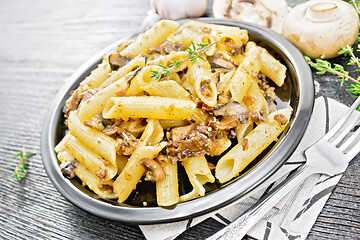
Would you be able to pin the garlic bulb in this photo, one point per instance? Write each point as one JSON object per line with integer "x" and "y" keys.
{"x": 173, "y": 10}
{"x": 178, "y": 9}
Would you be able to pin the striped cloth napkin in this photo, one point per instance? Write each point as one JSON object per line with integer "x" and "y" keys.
{"x": 292, "y": 217}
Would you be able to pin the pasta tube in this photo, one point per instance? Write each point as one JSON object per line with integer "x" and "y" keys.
{"x": 131, "y": 66}
{"x": 99, "y": 186}
{"x": 97, "y": 141}
{"x": 148, "y": 107}
{"x": 152, "y": 37}
{"x": 96, "y": 103}
{"x": 91, "y": 160}
{"x": 167, "y": 189}
{"x": 97, "y": 76}
{"x": 233, "y": 162}
{"x": 121, "y": 161}
{"x": 169, "y": 89}
{"x": 166, "y": 60}
{"x": 235, "y": 34}
{"x": 255, "y": 100}
{"x": 198, "y": 172}
{"x": 246, "y": 73}
{"x": 272, "y": 67}
{"x": 142, "y": 79}
{"x": 148, "y": 147}
{"x": 204, "y": 82}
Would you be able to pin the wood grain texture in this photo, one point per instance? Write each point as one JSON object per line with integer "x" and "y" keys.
{"x": 41, "y": 43}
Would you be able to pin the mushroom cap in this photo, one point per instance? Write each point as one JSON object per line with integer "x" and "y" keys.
{"x": 267, "y": 13}
{"x": 320, "y": 28}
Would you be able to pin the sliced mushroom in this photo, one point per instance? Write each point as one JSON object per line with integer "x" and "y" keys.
{"x": 154, "y": 171}
{"x": 68, "y": 168}
{"x": 179, "y": 133}
{"x": 232, "y": 108}
{"x": 232, "y": 114}
{"x": 221, "y": 63}
{"x": 321, "y": 28}
{"x": 132, "y": 74}
{"x": 267, "y": 13}
{"x": 116, "y": 61}
{"x": 168, "y": 47}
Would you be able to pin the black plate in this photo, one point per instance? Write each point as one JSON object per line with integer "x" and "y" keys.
{"x": 299, "y": 94}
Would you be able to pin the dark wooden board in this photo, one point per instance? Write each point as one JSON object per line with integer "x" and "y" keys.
{"x": 41, "y": 43}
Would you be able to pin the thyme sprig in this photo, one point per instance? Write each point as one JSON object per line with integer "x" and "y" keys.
{"x": 324, "y": 66}
{"x": 355, "y": 4}
{"x": 349, "y": 51}
{"x": 20, "y": 169}
{"x": 193, "y": 55}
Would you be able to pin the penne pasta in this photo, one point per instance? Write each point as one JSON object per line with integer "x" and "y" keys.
{"x": 152, "y": 37}
{"x": 137, "y": 62}
{"x": 97, "y": 141}
{"x": 96, "y": 103}
{"x": 100, "y": 167}
{"x": 232, "y": 163}
{"x": 169, "y": 89}
{"x": 255, "y": 100}
{"x": 272, "y": 67}
{"x": 223, "y": 33}
{"x": 172, "y": 96}
{"x": 204, "y": 82}
{"x": 148, "y": 107}
{"x": 222, "y": 145}
{"x": 168, "y": 124}
{"x": 166, "y": 60}
{"x": 142, "y": 79}
{"x": 103, "y": 189}
{"x": 167, "y": 189}
{"x": 199, "y": 116}
{"x": 121, "y": 161}
{"x": 246, "y": 73}
{"x": 97, "y": 76}
{"x": 243, "y": 129}
{"x": 198, "y": 172}
{"x": 149, "y": 147}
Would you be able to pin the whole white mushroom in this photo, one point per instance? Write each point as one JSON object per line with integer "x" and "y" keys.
{"x": 320, "y": 28}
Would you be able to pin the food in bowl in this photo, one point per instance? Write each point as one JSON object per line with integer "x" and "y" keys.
{"x": 196, "y": 97}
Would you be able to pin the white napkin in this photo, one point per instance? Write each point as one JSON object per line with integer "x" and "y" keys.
{"x": 293, "y": 216}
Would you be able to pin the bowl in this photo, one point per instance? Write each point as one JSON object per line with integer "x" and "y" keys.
{"x": 299, "y": 93}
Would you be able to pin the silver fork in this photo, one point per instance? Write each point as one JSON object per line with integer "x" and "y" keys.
{"x": 327, "y": 156}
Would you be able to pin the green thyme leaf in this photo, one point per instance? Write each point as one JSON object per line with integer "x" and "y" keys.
{"x": 20, "y": 169}
{"x": 193, "y": 55}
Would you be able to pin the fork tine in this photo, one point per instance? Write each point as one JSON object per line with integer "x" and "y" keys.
{"x": 349, "y": 125}
{"x": 340, "y": 123}
{"x": 350, "y": 140}
{"x": 355, "y": 150}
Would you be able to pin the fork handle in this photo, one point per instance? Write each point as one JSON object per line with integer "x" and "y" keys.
{"x": 238, "y": 228}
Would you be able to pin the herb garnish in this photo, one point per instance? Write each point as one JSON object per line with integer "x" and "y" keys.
{"x": 355, "y": 4}
{"x": 20, "y": 170}
{"x": 193, "y": 55}
{"x": 324, "y": 66}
